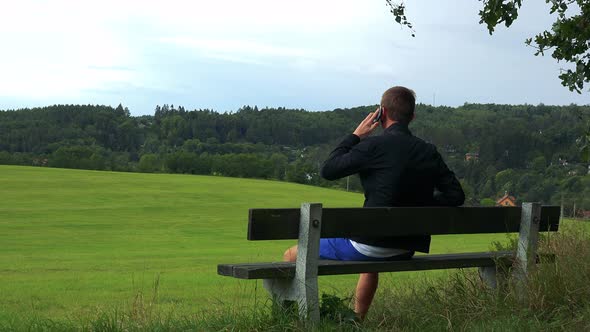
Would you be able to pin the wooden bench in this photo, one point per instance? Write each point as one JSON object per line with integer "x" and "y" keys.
{"x": 298, "y": 281}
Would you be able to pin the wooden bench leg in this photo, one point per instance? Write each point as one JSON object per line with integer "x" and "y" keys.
{"x": 303, "y": 288}
{"x": 528, "y": 239}
{"x": 526, "y": 252}
{"x": 286, "y": 292}
{"x": 281, "y": 291}
{"x": 489, "y": 275}
{"x": 497, "y": 276}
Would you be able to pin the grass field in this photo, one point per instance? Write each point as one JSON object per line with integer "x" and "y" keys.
{"x": 73, "y": 242}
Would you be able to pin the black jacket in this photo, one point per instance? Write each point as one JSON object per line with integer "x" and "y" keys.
{"x": 396, "y": 169}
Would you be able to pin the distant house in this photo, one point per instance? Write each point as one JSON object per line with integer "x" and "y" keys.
{"x": 450, "y": 149}
{"x": 469, "y": 156}
{"x": 585, "y": 214}
{"x": 506, "y": 200}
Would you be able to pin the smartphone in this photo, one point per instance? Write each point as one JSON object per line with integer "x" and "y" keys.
{"x": 379, "y": 113}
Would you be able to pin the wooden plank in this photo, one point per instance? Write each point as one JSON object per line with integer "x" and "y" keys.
{"x": 283, "y": 224}
{"x": 326, "y": 267}
{"x": 225, "y": 269}
{"x": 330, "y": 267}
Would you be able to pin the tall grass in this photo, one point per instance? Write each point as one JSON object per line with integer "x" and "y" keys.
{"x": 556, "y": 297}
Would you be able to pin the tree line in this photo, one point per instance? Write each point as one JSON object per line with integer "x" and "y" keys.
{"x": 525, "y": 150}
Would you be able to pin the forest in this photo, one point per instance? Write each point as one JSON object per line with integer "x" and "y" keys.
{"x": 528, "y": 151}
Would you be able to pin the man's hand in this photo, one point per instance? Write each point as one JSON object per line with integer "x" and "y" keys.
{"x": 366, "y": 126}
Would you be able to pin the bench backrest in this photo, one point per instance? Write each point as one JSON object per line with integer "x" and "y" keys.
{"x": 283, "y": 224}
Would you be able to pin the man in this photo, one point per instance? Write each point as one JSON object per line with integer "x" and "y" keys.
{"x": 396, "y": 169}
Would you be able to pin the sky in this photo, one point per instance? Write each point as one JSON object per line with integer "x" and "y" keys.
{"x": 310, "y": 54}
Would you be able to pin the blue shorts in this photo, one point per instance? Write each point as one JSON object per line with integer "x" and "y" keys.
{"x": 342, "y": 250}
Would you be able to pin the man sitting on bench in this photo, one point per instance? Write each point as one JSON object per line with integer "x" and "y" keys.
{"x": 396, "y": 169}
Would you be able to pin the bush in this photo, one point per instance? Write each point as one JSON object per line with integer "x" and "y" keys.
{"x": 149, "y": 163}
{"x": 487, "y": 202}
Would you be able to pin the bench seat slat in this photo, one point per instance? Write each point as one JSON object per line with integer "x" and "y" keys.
{"x": 331, "y": 267}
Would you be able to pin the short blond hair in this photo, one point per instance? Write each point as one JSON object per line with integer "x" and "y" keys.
{"x": 400, "y": 103}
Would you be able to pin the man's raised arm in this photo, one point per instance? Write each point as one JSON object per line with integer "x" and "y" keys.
{"x": 350, "y": 156}
{"x": 344, "y": 160}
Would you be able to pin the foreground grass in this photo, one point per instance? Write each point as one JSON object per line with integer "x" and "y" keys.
{"x": 73, "y": 242}
{"x": 76, "y": 242}
{"x": 556, "y": 298}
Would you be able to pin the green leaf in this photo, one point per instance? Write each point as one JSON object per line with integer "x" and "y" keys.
{"x": 563, "y": 6}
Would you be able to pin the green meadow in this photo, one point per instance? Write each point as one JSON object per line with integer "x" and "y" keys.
{"x": 75, "y": 242}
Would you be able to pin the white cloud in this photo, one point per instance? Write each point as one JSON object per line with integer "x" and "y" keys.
{"x": 241, "y": 51}
{"x": 62, "y": 48}
{"x": 58, "y": 49}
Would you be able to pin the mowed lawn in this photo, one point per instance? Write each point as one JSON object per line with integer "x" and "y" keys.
{"x": 73, "y": 242}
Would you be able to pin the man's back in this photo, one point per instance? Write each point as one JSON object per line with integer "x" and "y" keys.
{"x": 406, "y": 171}
{"x": 396, "y": 169}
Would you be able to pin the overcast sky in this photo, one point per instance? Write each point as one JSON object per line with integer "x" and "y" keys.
{"x": 312, "y": 54}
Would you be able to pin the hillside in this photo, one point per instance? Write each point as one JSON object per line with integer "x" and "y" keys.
{"x": 528, "y": 151}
